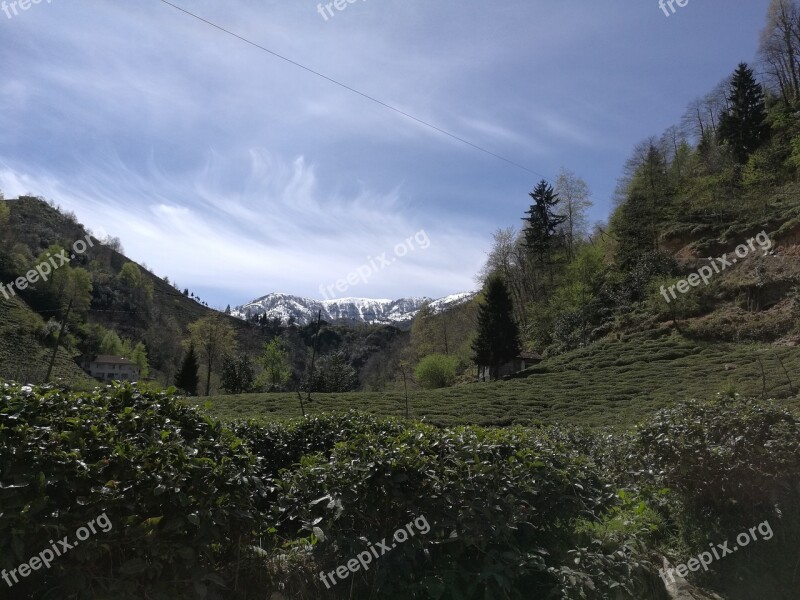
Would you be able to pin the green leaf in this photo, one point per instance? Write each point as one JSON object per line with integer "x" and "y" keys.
{"x": 133, "y": 567}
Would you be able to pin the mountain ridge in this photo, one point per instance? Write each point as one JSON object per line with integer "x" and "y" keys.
{"x": 351, "y": 310}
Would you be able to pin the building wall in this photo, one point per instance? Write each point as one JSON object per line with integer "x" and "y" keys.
{"x": 509, "y": 368}
{"x": 108, "y": 372}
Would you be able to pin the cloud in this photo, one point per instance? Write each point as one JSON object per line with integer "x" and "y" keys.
{"x": 273, "y": 229}
{"x": 233, "y": 171}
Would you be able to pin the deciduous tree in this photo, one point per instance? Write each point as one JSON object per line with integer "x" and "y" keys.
{"x": 139, "y": 356}
{"x": 574, "y": 195}
{"x": 214, "y": 338}
{"x": 779, "y": 49}
{"x": 275, "y": 361}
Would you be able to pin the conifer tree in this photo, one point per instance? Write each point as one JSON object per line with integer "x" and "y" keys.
{"x": 187, "y": 377}
{"x": 542, "y": 221}
{"x": 744, "y": 126}
{"x": 498, "y": 334}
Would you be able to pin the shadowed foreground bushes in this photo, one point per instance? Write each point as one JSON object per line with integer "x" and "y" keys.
{"x": 252, "y": 511}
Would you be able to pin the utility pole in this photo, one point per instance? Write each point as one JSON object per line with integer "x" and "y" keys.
{"x": 405, "y": 384}
{"x": 58, "y": 340}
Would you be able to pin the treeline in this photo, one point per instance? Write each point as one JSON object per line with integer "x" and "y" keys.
{"x": 317, "y": 357}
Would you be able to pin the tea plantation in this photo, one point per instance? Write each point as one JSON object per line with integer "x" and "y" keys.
{"x": 247, "y": 510}
{"x": 615, "y": 382}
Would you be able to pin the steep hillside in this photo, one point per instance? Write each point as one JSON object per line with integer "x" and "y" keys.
{"x": 161, "y": 322}
{"x": 23, "y": 356}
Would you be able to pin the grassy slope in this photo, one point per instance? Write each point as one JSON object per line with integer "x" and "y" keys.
{"x": 23, "y": 357}
{"x": 614, "y": 383}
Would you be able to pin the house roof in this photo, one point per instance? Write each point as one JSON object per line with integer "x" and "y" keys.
{"x": 530, "y": 356}
{"x": 113, "y": 360}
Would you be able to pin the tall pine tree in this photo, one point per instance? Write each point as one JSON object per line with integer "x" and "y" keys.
{"x": 498, "y": 334}
{"x": 187, "y": 376}
{"x": 542, "y": 221}
{"x": 744, "y": 126}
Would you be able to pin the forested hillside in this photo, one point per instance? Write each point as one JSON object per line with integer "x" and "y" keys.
{"x": 112, "y": 305}
{"x": 716, "y": 194}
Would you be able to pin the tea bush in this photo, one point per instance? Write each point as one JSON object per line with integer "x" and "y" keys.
{"x": 178, "y": 489}
{"x": 729, "y": 460}
{"x": 502, "y": 506}
{"x": 206, "y": 511}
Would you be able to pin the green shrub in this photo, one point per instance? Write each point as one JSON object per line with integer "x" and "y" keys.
{"x": 436, "y": 371}
{"x": 203, "y": 511}
{"x": 502, "y": 506}
{"x": 731, "y": 456}
{"x": 178, "y": 489}
{"x": 727, "y": 465}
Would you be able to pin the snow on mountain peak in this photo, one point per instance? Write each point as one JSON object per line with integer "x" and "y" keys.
{"x": 348, "y": 310}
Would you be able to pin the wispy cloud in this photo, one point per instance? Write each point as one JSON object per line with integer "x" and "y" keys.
{"x": 237, "y": 174}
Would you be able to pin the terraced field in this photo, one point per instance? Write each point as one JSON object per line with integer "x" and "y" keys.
{"x": 613, "y": 383}
{"x": 22, "y": 356}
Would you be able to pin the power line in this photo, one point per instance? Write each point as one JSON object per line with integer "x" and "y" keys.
{"x": 353, "y": 90}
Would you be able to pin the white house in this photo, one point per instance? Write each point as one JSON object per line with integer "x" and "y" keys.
{"x": 108, "y": 368}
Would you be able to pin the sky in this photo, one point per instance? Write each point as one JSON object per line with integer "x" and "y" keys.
{"x": 237, "y": 174}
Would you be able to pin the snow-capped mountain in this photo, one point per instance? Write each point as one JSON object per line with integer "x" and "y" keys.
{"x": 347, "y": 310}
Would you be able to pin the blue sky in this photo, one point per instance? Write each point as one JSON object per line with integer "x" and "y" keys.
{"x": 237, "y": 174}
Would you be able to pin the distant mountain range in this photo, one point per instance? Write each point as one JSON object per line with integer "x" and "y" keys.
{"x": 351, "y": 311}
